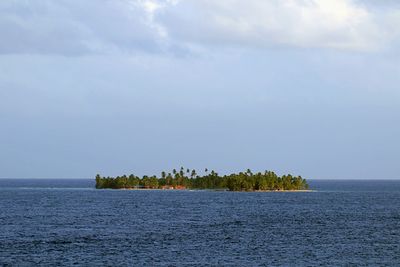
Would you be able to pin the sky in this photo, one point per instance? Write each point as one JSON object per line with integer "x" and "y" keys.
{"x": 308, "y": 87}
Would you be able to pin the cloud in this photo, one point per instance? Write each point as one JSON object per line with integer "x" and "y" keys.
{"x": 74, "y": 27}
{"x": 336, "y": 24}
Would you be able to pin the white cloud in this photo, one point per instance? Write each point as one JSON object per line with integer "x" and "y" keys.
{"x": 74, "y": 27}
{"x": 338, "y": 24}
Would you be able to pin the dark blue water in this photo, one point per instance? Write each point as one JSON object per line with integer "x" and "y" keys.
{"x": 67, "y": 222}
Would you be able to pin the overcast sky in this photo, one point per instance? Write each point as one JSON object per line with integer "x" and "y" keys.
{"x": 309, "y": 87}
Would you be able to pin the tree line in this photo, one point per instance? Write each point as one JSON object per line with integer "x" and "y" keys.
{"x": 186, "y": 178}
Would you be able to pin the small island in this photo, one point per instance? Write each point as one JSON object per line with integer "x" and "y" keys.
{"x": 189, "y": 179}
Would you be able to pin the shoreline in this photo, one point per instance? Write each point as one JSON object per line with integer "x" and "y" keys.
{"x": 216, "y": 190}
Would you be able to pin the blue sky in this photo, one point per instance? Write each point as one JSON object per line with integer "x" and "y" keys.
{"x": 129, "y": 86}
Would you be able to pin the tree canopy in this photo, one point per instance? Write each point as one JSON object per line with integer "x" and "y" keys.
{"x": 186, "y": 178}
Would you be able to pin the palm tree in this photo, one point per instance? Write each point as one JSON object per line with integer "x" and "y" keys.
{"x": 168, "y": 179}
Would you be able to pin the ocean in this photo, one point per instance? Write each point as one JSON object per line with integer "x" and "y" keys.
{"x": 67, "y": 222}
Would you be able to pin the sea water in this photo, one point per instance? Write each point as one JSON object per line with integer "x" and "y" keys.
{"x": 68, "y": 222}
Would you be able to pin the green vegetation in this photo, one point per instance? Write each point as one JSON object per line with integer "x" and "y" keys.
{"x": 182, "y": 179}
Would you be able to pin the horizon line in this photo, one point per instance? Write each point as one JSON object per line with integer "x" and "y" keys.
{"x": 89, "y": 178}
